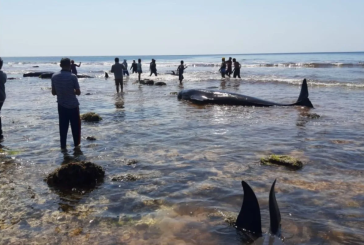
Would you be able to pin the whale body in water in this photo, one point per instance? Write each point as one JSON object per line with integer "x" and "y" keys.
{"x": 207, "y": 96}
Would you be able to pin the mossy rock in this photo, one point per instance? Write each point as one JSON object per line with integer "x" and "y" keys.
{"x": 91, "y": 117}
{"x": 76, "y": 174}
{"x": 90, "y": 138}
{"x": 283, "y": 160}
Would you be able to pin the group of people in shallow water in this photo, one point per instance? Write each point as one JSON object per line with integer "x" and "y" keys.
{"x": 121, "y": 69}
{"x": 226, "y": 68}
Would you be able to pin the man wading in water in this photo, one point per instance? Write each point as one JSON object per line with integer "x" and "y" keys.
{"x": 65, "y": 86}
{"x": 222, "y": 69}
{"x": 180, "y": 70}
{"x": 153, "y": 68}
{"x": 117, "y": 69}
{"x": 237, "y": 67}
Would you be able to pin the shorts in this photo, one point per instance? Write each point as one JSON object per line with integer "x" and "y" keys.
{"x": 139, "y": 71}
{"x": 180, "y": 76}
{"x": 118, "y": 81}
{"x": 223, "y": 71}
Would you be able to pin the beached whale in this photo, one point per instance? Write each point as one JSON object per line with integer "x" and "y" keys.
{"x": 207, "y": 96}
{"x": 249, "y": 220}
{"x": 36, "y": 74}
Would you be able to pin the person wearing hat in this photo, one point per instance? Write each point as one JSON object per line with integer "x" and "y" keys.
{"x": 65, "y": 86}
{"x": 3, "y": 78}
{"x": 222, "y": 69}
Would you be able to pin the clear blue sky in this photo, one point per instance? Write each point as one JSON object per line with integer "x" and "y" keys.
{"x": 159, "y": 27}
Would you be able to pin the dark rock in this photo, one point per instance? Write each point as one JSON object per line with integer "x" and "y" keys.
{"x": 127, "y": 177}
{"x": 83, "y": 76}
{"x": 35, "y": 74}
{"x": 160, "y": 84}
{"x": 90, "y": 138}
{"x": 35, "y": 66}
{"x": 88, "y": 94}
{"x": 106, "y": 75}
{"x": 91, "y": 117}
{"x": 283, "y": 160}
{"x": 11, "y": 78}
{"x": 147, "y": 82}
{"x": 77, "y": 174}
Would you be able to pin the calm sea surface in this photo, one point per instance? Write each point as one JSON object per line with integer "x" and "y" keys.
{"x": 190, "y": 159}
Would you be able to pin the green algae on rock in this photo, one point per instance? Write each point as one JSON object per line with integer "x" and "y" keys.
{"x": 76, "y": 174}
{"x": 91, "y": 117}
{"x": 283, "y": 160}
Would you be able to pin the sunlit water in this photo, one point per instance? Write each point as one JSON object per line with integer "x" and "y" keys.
{"x": 190, "y": 159}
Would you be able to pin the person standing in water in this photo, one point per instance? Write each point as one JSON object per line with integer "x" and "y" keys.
{"x": 229, "y": 64}
{"x": 134, "y": 67}
{"x": 125, "y": 71}
{"x": 222, "y": 69}
{"x": 237, "y": 67}
{"x": 65, "y": 86}
{"x": 117, "y": 69}
{"x": 3, "y": 79}
{"x": 153, "y": 68}
{"x": 180, "y": 70}
{"x": 139, "y": 68}
{"x": 73, "y": 67}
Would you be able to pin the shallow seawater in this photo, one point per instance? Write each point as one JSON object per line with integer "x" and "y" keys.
{"x": 190, "y": 161}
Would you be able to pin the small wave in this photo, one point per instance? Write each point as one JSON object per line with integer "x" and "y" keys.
{"x": 309, "y": 65}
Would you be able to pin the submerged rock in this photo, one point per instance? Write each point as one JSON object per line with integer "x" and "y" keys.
{"x": 91, "y": 117}
{"x": 119, "y": 104}
{"x": 160, "y": 84}
{"x": 283, "y": 160}
{"x": 311, "y": 115}
{"x": 77, "y": 174}
{"x": 90, "y": 138}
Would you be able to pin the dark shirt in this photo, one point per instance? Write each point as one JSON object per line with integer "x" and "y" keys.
{"x": 229, "y": 64}
{"x": 181, "y": 68}
{"x": 73, "y": 69}
{"x": 153, "y": 66}
{"x": 223, "y": 65}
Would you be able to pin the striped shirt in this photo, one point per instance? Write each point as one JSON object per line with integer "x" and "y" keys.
{"x": 65, "y": 83}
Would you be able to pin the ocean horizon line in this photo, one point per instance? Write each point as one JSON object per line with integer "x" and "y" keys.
{"x": 156, "y": 55}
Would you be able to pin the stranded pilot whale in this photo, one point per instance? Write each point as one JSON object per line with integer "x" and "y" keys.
{"x": 249, "y": 220}
{"x": 207, "y": 96}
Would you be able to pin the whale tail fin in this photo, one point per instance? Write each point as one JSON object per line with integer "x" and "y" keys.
{"x": 275, "y": 215}
{"x": 249, "y": 216}
{"x": 303, "y": 99}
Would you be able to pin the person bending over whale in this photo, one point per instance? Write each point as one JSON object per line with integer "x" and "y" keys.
{"x": 180, "y": 70}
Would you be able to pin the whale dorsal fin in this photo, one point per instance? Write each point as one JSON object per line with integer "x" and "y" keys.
{"x": 249, "y": 216}
{"x": 275, "y": 215}
{"x": 303, "y": 98}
